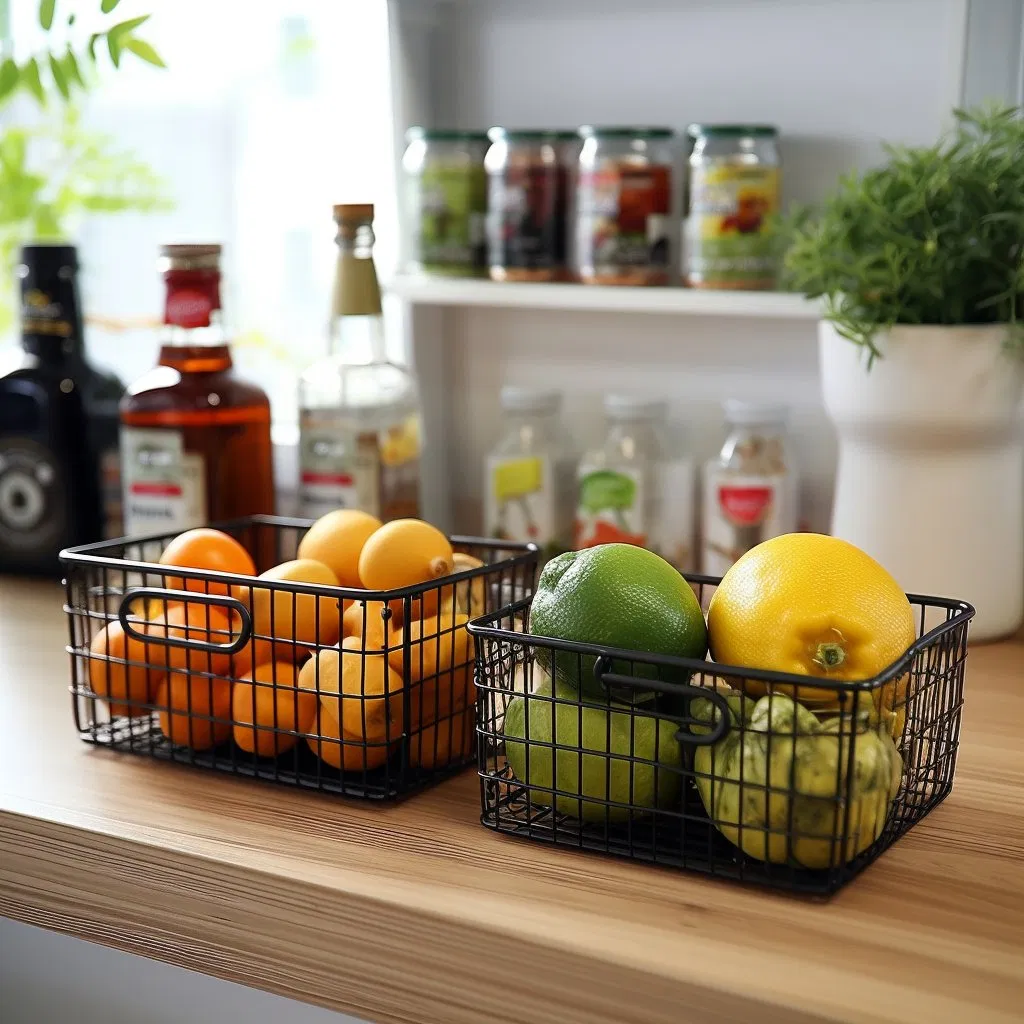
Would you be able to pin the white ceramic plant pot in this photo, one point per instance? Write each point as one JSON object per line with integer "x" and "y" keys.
{"x": 931, "y": 463}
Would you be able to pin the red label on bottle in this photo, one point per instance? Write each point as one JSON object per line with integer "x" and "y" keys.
{"x": 338, "y": 479}
{"x": 188, "y": 307}
{"x": 745, "y": 506}
{"x": 192, "y": 295}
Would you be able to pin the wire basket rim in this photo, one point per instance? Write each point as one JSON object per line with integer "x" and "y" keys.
{"x": 963, "y": 612}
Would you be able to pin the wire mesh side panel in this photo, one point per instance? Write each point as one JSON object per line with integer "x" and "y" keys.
{"x": 793, "y": 786}
{"x": 277, "y": 679}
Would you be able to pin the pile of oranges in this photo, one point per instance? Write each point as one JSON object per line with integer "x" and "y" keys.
{"x": 328, "y": 671}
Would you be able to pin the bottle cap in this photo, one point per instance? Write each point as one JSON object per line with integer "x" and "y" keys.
{"x": 634, "y": 407}
{"x": 538, "y": 400}
{"x": 191, "y": 257}
{"x": 361, "y": 212}
{"x": 744, "y": 413}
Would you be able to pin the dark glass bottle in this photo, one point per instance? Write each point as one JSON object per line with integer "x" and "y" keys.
{"x": 58, "y": 425}
{"x": 195, "y": 439}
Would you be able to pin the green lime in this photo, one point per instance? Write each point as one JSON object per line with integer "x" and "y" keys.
{"x": 616, "y": 595}
{"x": 630, "y": 758}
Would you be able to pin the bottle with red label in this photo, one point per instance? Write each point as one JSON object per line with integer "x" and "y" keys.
{"x": 750, "y": 489}
{"x": 195, "y": 439}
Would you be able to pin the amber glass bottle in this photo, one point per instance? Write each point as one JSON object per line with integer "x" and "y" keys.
{"x": 195, "y": 440}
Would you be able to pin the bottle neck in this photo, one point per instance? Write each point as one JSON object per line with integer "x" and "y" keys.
{"x": 193, "y": 339}
{"x": 357, "y": 325}
{"x": 51, "y": 320}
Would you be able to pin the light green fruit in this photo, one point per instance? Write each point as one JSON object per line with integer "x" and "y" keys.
{"x": 779, "y": 783}
{"x": 607, "y": 773}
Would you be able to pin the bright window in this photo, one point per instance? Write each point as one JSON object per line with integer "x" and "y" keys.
{"x": 267, "y": 115}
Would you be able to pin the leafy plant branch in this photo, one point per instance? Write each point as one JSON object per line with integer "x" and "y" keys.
{"x": 934, "y": 236}
{"x": 52, "y": 168}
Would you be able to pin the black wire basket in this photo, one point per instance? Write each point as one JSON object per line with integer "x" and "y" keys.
{"x": 762, "y": 777}
{"x": 254, "y": 678}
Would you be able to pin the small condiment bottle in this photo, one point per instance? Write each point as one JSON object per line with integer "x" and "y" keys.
{"x": 750, "y": 488}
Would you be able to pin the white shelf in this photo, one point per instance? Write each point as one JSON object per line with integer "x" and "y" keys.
{"x": 602, "y": 299}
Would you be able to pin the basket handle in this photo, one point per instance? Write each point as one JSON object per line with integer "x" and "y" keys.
{"x": 718, "y": 730}
{"x": 207, "y": 646}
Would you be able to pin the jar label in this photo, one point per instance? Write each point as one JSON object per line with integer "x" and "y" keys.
{"x": 340, "y": 467}
{"x": 452, "y": 206}
{"x": 623, "y": 219}
{"x": 610, "y": 508}
{"x": 728, "y": 245}
{"x": 526, "y": 218}
{"x": 741, "y": 511}
{"x": 520, "y": 500}
{"x": 164, "y": 486}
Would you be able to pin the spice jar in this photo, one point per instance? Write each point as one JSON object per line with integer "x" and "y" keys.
{"x": 528, "y": 473}
{"x": 526, "y": 202}
{"x": 623, "y": 206}
{"x": 750, "y": 489}
{"x": 733, "y": 190}
{"x": 637, "y": 487}
{"x": 446, "y": 201}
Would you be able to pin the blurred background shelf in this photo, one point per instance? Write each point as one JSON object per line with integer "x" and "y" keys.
{"x": 581, "y": 298}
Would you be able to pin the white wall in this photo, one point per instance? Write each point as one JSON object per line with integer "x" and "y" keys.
{"x": 838, "y": 76}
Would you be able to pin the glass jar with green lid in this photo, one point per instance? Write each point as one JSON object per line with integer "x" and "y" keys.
{"x": 527, "y": 201}
{"x": 623, "y": 202}
{"x": 446, "y": 201}
{"x": 733, "y": 190}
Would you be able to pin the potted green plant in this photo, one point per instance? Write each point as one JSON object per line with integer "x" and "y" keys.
{"x": 920, "y": 266}
{"x": 54, "y": 170}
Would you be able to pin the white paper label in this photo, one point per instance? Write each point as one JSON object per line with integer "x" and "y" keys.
{"x": 164, "y": 486}
{"x": 740, "y": 511}
{"x": 335, "y": 470}
{"x": 521, "y": 504}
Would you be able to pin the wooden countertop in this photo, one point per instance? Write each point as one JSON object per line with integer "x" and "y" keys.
{"x": 415, "y": 913}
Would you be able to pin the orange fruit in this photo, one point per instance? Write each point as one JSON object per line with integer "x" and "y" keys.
{"x": 367, "y": 617}
{"x": 267, "y": 706}
{"x": 450, "y": 739}
{"x": 206, "y": 549}
{"x": 126, "y": 688}
{"x": 337, "y": 540}
{"x": 403, "y": 553}
{"x": 200, "y": 623}
{"x": 195, "y": 711}
{"x": 262, "y": 652}
{"x": 339, "y": 750}
{"x": 296, "y": 618}
{"x": 361, "y": 692}
{"x": 441, "y": 654}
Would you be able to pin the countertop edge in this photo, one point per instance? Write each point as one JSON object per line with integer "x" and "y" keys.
{"x": 245, "y": 926}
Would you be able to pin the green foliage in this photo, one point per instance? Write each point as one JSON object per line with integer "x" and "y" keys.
{"x": 52, "y": 169}
{"x": 934, "y": 236}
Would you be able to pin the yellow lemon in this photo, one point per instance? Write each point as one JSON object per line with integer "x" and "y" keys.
{"x": 812, "y": 606}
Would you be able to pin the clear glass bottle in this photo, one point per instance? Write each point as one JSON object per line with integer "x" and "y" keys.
{"x": 195, "y": 439}
{"x": 359, "y": 414}
{"x": 750, "y": 488}
{"x": 618, "y": 494}
{"x": 524, "y": 474}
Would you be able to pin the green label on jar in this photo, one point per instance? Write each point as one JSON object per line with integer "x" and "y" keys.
{"x": 452, "y": 213}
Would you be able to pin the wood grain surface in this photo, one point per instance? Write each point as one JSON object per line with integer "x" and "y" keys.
{"x": 414, "y": 912}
